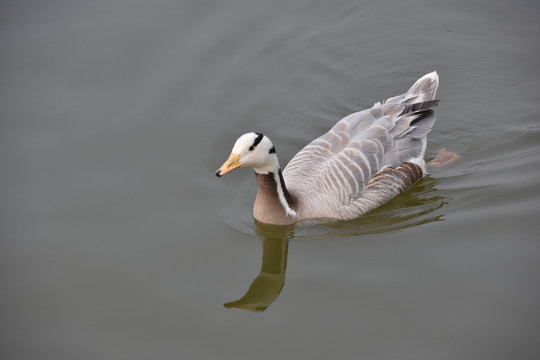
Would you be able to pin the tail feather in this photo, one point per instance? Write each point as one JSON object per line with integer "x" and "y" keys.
{"x": 415, "y": 121}
{"x": 422, "y": 124}
{"x": 424, "y": 89}
{"x": 419, "y": 107}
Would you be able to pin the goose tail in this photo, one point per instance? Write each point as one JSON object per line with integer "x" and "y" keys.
{"x": 424, "y": 89}
{"x": 415, "y": 121}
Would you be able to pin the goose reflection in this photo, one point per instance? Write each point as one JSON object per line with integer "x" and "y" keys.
{"x": 267, "y": 286}
{"x": 414, "y": 207}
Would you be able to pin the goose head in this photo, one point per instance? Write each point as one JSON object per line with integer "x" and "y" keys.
{"x": 253, "y": 150}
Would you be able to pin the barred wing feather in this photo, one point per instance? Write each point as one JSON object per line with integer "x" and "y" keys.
{"x": 330, "y": 175}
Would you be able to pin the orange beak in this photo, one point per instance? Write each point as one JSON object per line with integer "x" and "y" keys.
{"x": 229, "y": 165}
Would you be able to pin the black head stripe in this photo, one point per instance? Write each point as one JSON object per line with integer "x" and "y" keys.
{"x": 258, "y": 139}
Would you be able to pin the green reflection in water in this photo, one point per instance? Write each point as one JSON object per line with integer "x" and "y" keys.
{"x": 267, "y": 286}
{"x": 414, "y": 207}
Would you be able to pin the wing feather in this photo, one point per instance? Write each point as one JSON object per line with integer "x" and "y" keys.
{"x": 330, "y": 174}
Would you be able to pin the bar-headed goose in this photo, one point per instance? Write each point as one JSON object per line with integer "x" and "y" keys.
{"x": 366, "y": 159}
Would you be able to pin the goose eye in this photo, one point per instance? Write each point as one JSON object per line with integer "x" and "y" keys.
{"x": 251, "y": 148}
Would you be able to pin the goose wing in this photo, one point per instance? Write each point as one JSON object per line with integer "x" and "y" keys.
{"x": 331, "y": 174}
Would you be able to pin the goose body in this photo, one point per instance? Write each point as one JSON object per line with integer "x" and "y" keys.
{"x": 363, "y": 161}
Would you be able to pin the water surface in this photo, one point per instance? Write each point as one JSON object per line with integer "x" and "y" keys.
{"x": 119, "y": 242}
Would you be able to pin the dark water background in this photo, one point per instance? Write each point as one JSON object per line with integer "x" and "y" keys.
{"x": 118, "y": 242}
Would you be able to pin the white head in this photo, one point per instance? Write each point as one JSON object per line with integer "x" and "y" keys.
{"x": 253, "y": 150}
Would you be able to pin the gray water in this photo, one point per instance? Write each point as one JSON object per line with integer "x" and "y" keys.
{"x": 118, "y": 242}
